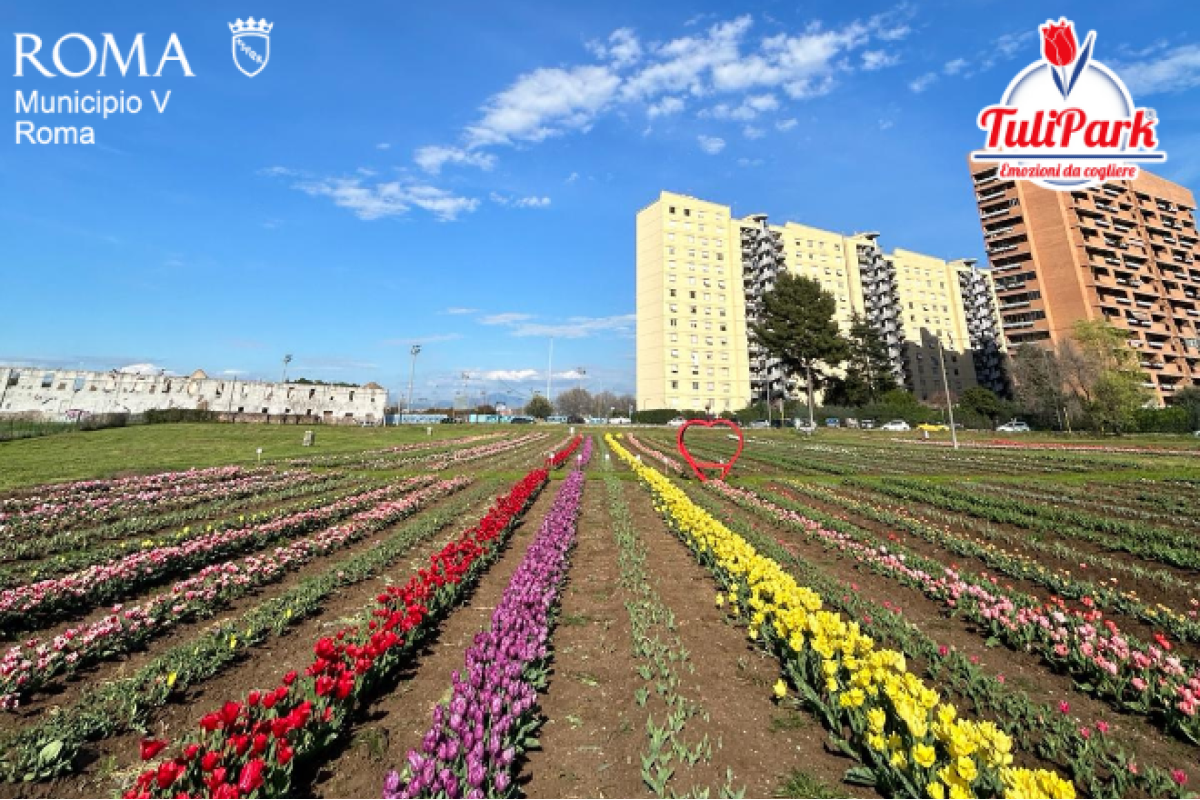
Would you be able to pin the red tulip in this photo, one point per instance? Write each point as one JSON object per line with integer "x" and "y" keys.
{"x": 210, "y": 760}
{"x": 284, "y": 752}
{"x": 290, "y": 678}
{"x": 230, "y": 712}
{"x": 1058, "y": 43}
{"x": 190, "y": 751}
{"x": 151, "y": 748}
{"x": 168, "y": 771}
{"x": 253, "y": 698}
{"x": 260, "y": 744}
{"x": 252, "y": 776}
{"x": 226, "y": 790}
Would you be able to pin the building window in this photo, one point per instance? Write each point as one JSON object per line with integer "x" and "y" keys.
{"x": 672, "y": 209}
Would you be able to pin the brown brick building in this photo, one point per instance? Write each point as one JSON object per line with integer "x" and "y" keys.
{"x": 1126, "y": 251}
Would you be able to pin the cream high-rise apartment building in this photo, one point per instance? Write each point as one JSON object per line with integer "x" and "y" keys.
{"x": 701, "y": 275}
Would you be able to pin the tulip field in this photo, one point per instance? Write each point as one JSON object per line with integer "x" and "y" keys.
{"x": 543, "y": 612}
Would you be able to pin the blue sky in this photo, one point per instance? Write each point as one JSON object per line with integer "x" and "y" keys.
{"x": 466, "y": 175}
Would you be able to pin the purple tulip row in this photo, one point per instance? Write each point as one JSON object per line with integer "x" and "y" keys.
{"x": 32, "y": 665}
{"x": 471, "y": 748}
{"x": 51, "y": 599}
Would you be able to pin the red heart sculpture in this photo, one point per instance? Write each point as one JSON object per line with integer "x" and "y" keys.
{"x": 698, "y": 467}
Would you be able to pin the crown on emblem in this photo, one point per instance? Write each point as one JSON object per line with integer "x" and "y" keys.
{"x": 251, "y": 26}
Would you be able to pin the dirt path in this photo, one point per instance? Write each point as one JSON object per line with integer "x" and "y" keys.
{"x": 593, "y": 734}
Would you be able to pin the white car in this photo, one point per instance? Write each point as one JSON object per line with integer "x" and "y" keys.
{"x": 677, "y": 422}
{"x": 895, "y": 425}
{"x": 1014, "y": 426}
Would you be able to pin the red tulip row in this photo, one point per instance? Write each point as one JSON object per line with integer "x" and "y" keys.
{"x": 28, "y": 668}
{"x": 47, "y": 600}
{"x": 556, "y": 460}
{"x": 249, "y": 748}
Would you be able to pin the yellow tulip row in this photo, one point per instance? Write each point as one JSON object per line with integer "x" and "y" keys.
{"x": 913, "y": 743}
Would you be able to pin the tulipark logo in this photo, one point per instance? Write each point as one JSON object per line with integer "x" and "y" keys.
{"x": 251, "y": 45}
{"x": 1067, "y": 122}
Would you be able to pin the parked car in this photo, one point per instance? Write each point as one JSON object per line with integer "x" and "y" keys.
{"x": 677, "y": 422}
{"x": 867, "y": 424}
{"x": 933, "y": 427}
{"x": 1013, "y": 426}
{"x": 804, "y": 427}
{"x": 851, "y": 422}
{"x": 895, "y": 425}
{"x": 521, "y": 420}
{"x": 575, "y": 419}
{"x": 620, "y": 421}
{"x": 759, "y": 423}
{"x": 833, "y": 422}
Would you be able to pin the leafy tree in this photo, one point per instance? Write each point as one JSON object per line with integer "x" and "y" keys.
{"x": 1109, "y": 378}
{"x": 983, "y": 402}
{"x": 539, "y": 407}
{"x": 797, "y": 327}
{"x": 574, "y": 401}
{"x": 1189, "y": 398}
{"x": 868, "y": 365}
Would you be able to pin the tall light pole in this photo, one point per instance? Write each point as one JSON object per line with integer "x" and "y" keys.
{"x": 550, "y": 373}
{"x": 580, "y": 372}
{"x": 946, "y": 389}
{"x": 412, "y": 370}
{"x": 287, "y": 359}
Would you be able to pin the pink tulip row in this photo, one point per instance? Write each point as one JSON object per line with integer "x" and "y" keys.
{"x": 668, "y": 462}
{"x": 65, "y": 492}
{"x": 31, "y": 666}
{"x": 82, "y": 589}
{"x": 1143, "y": 677}
{"x": 440, "y": 461}
{"x": 53, "y": 515}
{"x": 400, "y": 448}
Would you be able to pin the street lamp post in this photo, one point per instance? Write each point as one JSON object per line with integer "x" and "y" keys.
{"x": 412, "y": 370}
{"x": 287, "y": 359}
{"x": 946, "y": 390}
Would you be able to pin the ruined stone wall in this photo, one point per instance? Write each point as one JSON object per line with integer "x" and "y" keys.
{"x": 65, "y": 394}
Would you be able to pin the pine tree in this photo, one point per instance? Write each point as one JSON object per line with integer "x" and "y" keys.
{"x": 797, "y": 327}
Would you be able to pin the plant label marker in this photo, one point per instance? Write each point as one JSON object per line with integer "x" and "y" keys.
{"x": 698, "y": 466}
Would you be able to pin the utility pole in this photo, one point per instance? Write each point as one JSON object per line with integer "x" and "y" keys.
{"x": 946, "y": 389}
{"x": 412, "y": 369}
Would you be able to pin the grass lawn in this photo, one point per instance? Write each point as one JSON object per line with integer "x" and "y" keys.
{"x": 156, "y": 448}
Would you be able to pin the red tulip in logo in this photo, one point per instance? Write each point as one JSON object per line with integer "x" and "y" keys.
{"x": 699, "y": 466}
{"x": 1058, "y": 43}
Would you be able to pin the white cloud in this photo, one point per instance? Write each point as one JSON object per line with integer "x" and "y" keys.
{"x": 884, "y": 124}
{"x": 665, "y": 107}
{"x": 955, "y": 66}
{"x": 510, "y": 375}
{"x": 878, "y": 59}
{"x": 750, "y": 108}
{"x": 577, "y": 327}
{"x": 711, "y": 144}
{"x": 622, "y": 47}
{"x": 571, "y": 375}
{"x": 1175, "y": 70}
{"x": 749, "y": 162}
{"x": 141, "y": 369}
{"x": 278, "y": 172}
{"x": 922, "y": 83}
{"x": 507, "y": 318}
{"x": 233, "y": 372}
{"x": 434, "y": 157}
{"x": 574, "y": 176}
{"x": 543, "y": 103}
{"x": 383, "y": 146}
{"x": 531, "y": 201}
{"x": 785, "y": 124}
{"x": 751, "y": 132}
{"x": 461, "y": 310}
{"x": 388, "y": 199}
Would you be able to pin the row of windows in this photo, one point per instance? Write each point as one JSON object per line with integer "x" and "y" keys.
{"x": 717, "y": 243}
{"x": 696, "y": 388}
{"x": 820, "y": 245}
{"x": 692, "y": 296}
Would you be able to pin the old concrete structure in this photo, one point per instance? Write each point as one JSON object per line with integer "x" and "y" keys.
{"x": 66, "y": 394}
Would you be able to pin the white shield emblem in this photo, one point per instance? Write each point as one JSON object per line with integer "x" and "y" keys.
{"x": 251, "y": 51}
